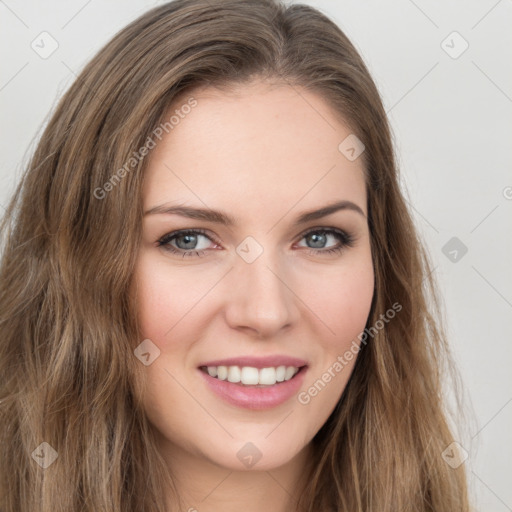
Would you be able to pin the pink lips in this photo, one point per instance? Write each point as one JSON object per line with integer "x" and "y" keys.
{"x": 252, "y": 397}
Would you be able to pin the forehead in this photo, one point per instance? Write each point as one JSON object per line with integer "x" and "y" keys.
{"x": 254, "y": 146}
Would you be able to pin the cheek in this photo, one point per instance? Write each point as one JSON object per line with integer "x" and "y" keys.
{"x": 165, "y": 296}
{"x": 343, "y": 310}
{"x": 341, "y": 301}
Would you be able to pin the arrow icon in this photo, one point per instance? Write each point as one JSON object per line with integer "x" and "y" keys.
{"x": 454, "y": 249}
{"x": 454, "y": 455}
{"x": 249, "y": 253}
{"x": 351, "y": 147}
{"x": 147, "y": 352}
{"x": 44, "y": 455}
{"x": 249, "y": 455}
{"x": 454, "y": 45}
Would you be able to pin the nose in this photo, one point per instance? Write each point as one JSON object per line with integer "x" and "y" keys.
{"x": 260, "y": 298}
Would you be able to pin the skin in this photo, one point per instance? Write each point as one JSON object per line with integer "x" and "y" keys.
{"x": 272, "y": 154}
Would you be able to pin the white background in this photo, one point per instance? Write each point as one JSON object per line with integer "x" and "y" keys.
{"x": 452, "y": 119}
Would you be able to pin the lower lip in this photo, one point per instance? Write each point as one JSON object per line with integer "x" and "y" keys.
{"x": 251, "y": 397}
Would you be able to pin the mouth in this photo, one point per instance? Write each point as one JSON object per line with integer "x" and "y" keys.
{"x": 250, "y": 387}
{"x": 250, "y": 376}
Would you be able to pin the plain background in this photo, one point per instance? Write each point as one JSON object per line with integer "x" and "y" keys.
{"x": 451, "y": 114}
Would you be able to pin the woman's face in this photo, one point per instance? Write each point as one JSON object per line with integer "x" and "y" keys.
{"x": 245, "y": 298}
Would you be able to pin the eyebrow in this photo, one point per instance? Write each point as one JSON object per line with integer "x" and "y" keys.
{"x": 220, "y": 217}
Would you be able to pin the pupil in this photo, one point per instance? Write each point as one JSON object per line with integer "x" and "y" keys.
{"x": 190, "y": 239}
{"x": 320, "y": 239}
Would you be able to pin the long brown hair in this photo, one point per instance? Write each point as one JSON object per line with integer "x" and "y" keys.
{"x": 70, "y": 237}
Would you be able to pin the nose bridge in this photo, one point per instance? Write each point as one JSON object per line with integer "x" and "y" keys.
{"x": 261, "y": 297}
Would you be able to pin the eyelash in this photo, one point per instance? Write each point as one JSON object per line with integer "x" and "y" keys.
{"x": 346, "y": 239}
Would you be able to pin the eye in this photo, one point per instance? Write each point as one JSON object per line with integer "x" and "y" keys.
{"x": 188, "y": 242}
{"x": 319, "y": 237}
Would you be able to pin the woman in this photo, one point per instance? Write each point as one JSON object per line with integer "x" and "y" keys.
{"x": 213, "y": 294}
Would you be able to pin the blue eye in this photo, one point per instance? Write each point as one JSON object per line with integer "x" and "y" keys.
{"x": 320, "y": 236}
{"x": 188, "y": 239}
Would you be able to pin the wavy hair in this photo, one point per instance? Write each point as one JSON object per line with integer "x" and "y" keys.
{"x": 68, "y": 322}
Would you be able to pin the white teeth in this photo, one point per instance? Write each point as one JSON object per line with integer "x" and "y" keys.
{"x": 268, "y": 376}
{"x": 290, "y": 372}
{"x": 222, "y": 372}
{"x": 251, "y": 376}
{"x": 233, "y": 374}
{"x": 280, "y": 373}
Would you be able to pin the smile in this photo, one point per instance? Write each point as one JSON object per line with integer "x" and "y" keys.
{"x": 253, "y": 388}
{"x": 251, "y": 376}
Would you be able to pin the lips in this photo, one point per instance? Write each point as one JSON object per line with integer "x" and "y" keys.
{"x": 257, "y": 396}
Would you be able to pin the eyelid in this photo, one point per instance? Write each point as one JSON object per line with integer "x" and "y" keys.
{"x": 181, "y": 232}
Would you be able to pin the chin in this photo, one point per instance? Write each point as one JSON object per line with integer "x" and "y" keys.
{"x": 254, "y": 453}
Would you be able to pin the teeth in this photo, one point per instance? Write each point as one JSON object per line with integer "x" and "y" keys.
{"x": 290, "y": 372}
{"x": 250, "y": 376}
{"x": 268, "y": 376}
{"x": 222, "y": 372}
{"x": 233, "y": 374}
{"x": 280, "y": 373}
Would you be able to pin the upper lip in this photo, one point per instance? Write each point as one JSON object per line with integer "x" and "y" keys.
{"x": 258, "y": 362}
